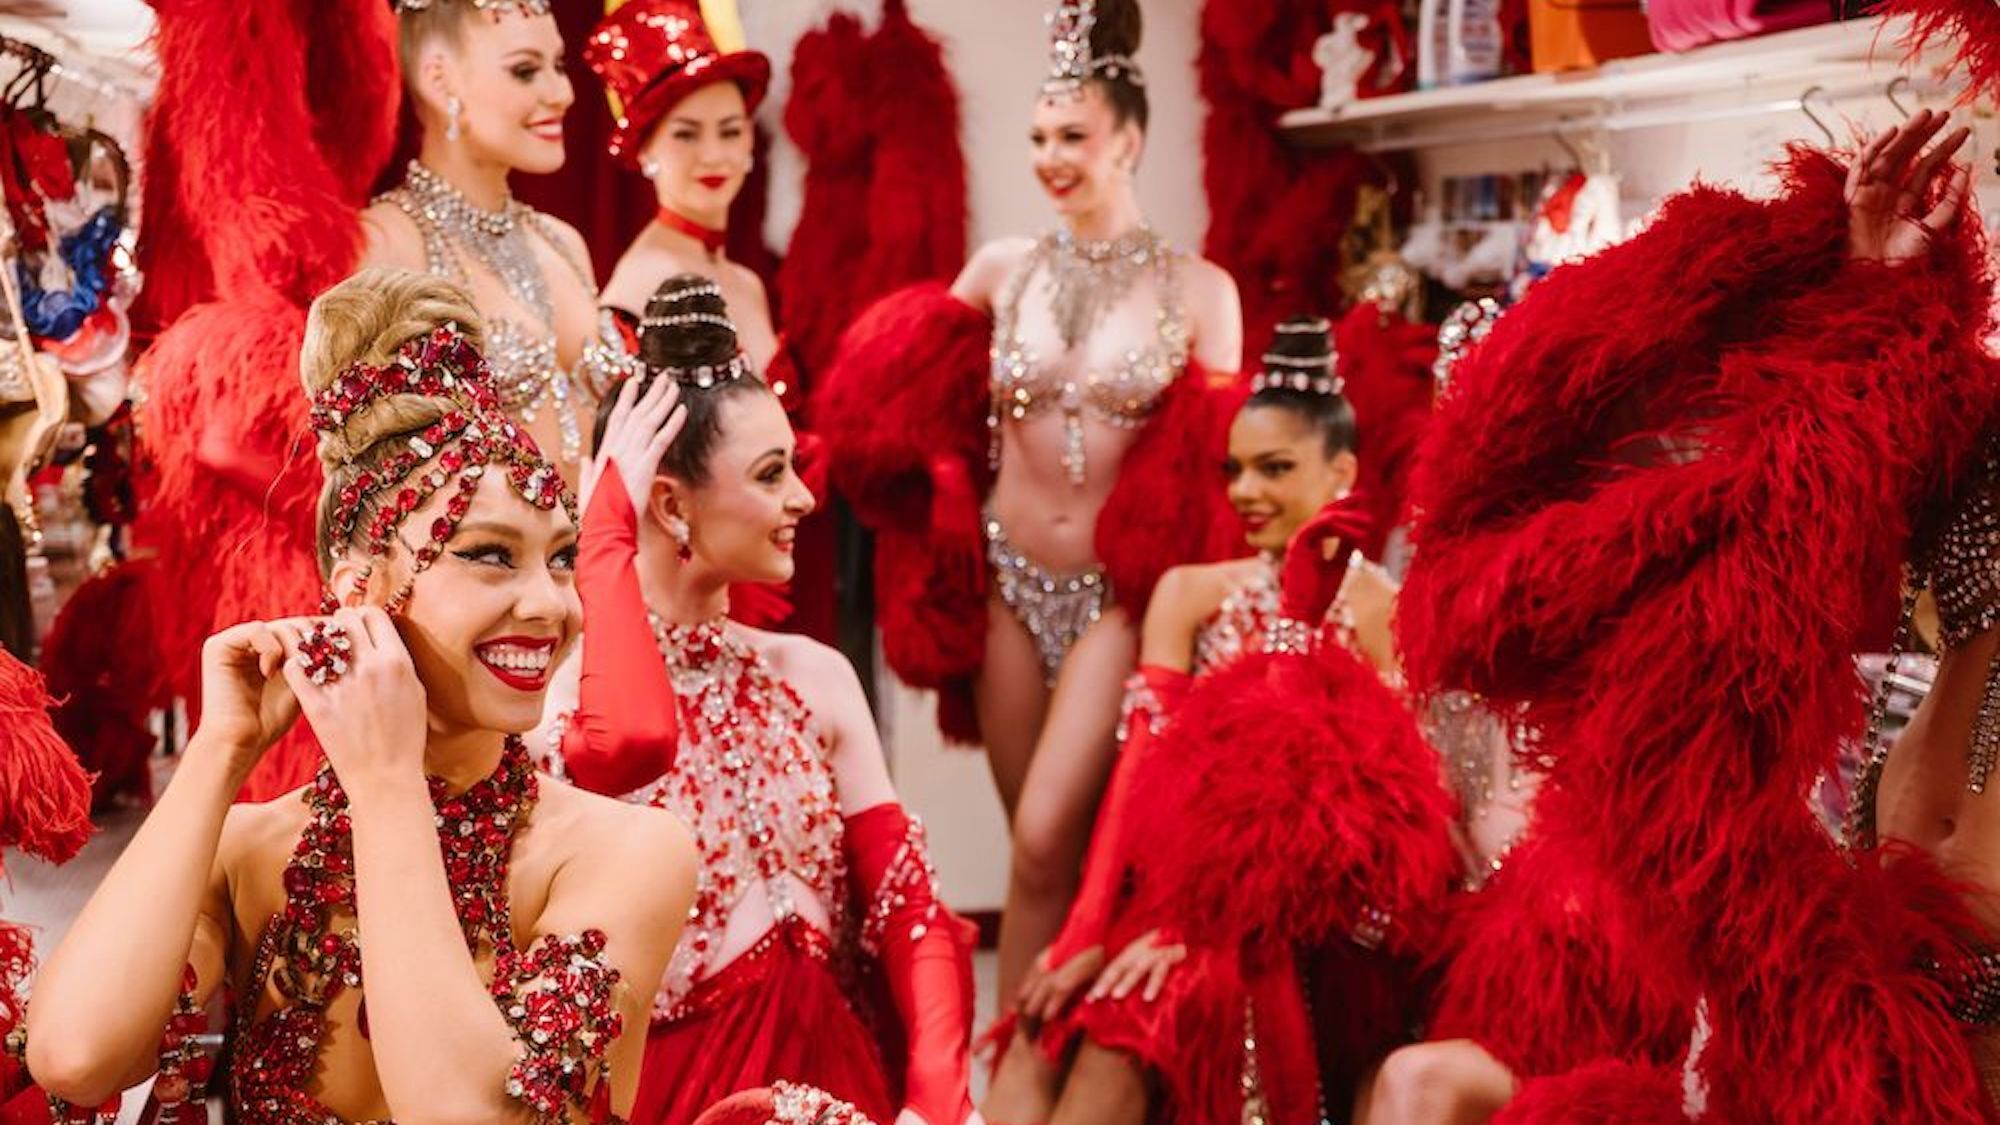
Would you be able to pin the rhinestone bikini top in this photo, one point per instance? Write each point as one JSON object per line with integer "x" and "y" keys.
{"x": 753, "y": 783}
{"x": 521, "y": 351}
{"x": 1962, "y": 568}
{"x": 1088, "y": 282}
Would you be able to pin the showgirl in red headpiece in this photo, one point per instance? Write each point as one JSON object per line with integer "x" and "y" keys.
{"x": 428, "y": 927}
{"x": 1161, "y": 1033}
{"x": 1053, "y": 459}
{"x": 818, "y": 951}
{"x": 1656, "y": 511}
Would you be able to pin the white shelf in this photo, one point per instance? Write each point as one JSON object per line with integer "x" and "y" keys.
{"x": 1650, "y": 89}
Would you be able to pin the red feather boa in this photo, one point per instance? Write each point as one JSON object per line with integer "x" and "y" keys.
{"x": 1559, "y": 550}
{"x": 270, "y": 184}
{"x": 1971, "y": 26}
{"x": 1277, "y": 213}
{"x": 903, "y": 414}
{"x": 876, "y": 117}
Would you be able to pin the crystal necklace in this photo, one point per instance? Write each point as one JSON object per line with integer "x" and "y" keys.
{"x": 498, "y": 240}
{"x": 1090, "y": 276}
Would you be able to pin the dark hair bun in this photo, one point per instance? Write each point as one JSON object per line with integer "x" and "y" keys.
{"x": 687, "y": 325}
{"x": 1117, "y": 29}
{"x": 1303, "y": 337}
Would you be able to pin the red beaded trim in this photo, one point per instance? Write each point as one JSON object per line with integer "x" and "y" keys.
{"x": 180, "y": 1086}
{"x": 443, "y": 364}
{"x": 558, "y": 997}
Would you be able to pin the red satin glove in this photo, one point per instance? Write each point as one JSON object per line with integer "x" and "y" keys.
{"x": 1151, "y": 696}
{"x": 926, "y": 956}
{"x": 1316, "y": 559}
{"x": 626, "y": 729}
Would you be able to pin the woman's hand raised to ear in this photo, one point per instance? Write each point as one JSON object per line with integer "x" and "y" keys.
{"x": 636, "y": 436}
{"x": 1891, "y": 214}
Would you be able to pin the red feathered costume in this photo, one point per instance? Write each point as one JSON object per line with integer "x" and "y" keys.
{"x": 276, "y": 116}
{"x": 876, "y": 116}
{"x": 903, "y": 411}
{"x": 44, "y": 811}
{"x": 1658, "y": 504}
{"x": 1276, "y": 213}
{"x": 1275, "y": 869}
{"x": 1970, "y": 27}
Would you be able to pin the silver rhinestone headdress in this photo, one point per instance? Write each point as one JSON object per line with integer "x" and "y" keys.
{"x": 1071, "y": 63}
{"x": 1309, "y": 374}
{"x": 526, "y": 7}
{"x": 1467, "y": 325}
{"x": 710, "y": 374}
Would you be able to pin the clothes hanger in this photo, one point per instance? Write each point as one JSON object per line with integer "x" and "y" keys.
{"x": 1900, "y": 82}
{"x": 1805, "y": 107}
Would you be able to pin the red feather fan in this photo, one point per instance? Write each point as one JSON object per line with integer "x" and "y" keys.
{"x": 1971, "y": 27}
{"x": 1709, "y": 482}
{"x": 44, "y": 793}
{"x": 1338, "y": 808}
{"x": 916, "y": 182}
{"x": 232, "y": 482}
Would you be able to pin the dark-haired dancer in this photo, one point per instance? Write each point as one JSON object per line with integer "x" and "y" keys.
{"x": 1161, "y": 1027}
{"x": 763, "y": 743}
{"x": 1054, "y": 387}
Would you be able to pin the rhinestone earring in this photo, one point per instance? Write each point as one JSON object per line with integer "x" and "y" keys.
{"x": 649, "y": 168}
{"x": 452, "y": 109}
{"x": 683, "y": 538}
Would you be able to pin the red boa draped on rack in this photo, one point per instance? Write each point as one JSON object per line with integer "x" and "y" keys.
{"x": 1276, "y": 213}
{"x": 1681, "y": 624}
{"x": 276, "y": 115}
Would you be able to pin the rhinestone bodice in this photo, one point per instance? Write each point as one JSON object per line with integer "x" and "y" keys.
{"x": 1087, "y": 283}
{"x": 520, "y": 349}
{"x": 1962, "y": 567}
{"x": 1239, "y": 624}
{"x": 753, "y": 783}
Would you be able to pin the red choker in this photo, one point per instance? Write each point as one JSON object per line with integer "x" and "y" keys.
{"x": 711, "y": 240}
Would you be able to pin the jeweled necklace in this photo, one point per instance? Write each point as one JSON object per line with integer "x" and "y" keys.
{"x": 1090, "y": 276}
{"x": 310, "y": 952}
{"x": 496, "y": 239}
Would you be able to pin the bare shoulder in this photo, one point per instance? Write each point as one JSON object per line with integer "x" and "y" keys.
{"x": 570, "y": 239}
{"x": 1196, "y": 589}
{"x": 252, "y": 829}
{"x": 392, "y": 237}
{"x": 989, "y": 268}
{"x": 1205, "y": 278}
{"x": 597, "y": 828}
{"x": 746, "y": 277}
{"x": 1371, "y": 591}
{"x": 803, "y": 660}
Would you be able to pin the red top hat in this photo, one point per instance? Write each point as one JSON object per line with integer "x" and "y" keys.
{"x": 651, "y": 54}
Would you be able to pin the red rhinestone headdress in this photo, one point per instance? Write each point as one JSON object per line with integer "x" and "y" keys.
{"x": 459, "y": 446}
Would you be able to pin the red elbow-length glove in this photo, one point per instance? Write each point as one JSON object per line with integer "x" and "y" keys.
{"x": 926, "y": 956}
{"x": 626, "y": 727}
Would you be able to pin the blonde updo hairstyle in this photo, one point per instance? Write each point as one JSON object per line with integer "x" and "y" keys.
{"x": 364, "y": 320}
